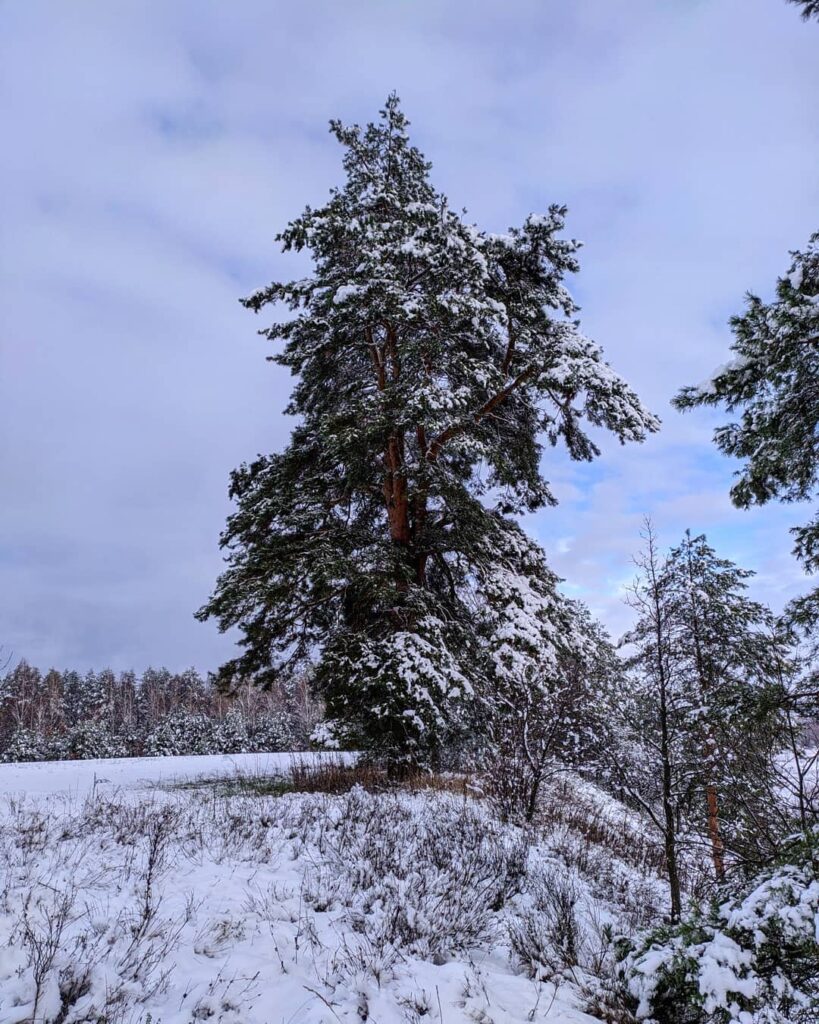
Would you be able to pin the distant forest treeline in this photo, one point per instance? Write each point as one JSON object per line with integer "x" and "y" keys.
{"x": 68, "y": 715}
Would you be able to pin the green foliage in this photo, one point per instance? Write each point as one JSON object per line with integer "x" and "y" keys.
{"x": 751, "y": 958}
{"x": 25, "y": 745}
{"x": 181, "y": 733}
{"x": 90, "y": 739}
{"x": 231, "y": 735}
{"x": 771, "y": 385}
{"x": 431, "y": 360}
{"x": 727, "y": 656}
{"x": 274, "y": 731}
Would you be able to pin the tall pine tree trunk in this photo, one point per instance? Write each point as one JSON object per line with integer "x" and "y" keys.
{"x": 396, "y": 493}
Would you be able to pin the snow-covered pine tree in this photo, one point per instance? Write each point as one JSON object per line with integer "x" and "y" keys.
{"x": 84, "y": 697}
{"x": 705, "y": 692}
{"x": 181, "y": 732}
{"x": 273, "y": 731}
{"x": 727, "y": 656}
{"x": 73, "y": 698}
{"x": 432, "y": 359}
{"x": 25, "y": 745}
{"x": 772, "y": 383}
{"x": 154, "y": 698}
{"x": 52, "y": 703}
{"x": 125, "y": 711}
{"x": 230, "y": 735}
{"x": 90, "y": 739}
{"x": 20, "y": 698}
{"x": 188, "y": 690}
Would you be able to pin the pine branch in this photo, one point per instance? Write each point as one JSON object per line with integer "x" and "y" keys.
{"x": 455, "y": 429}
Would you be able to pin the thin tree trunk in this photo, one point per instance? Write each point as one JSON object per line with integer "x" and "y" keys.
{"x": 670, "y": 830}
{"x": 714, "y": 833}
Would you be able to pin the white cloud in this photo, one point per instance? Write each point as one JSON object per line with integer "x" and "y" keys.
{"x": 151, "y": 152}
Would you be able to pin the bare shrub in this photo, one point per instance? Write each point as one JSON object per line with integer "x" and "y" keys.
{"x": 334, "y": 776}
{"x": 43, "y": 921}
{"x": 608, "y": 846}
{"x": 64, "y": 932}
{"x": 546, "y": 937}
{"x": 606, "y": 999}
{"x": 25, "y": 826}
{"x": 569, "y": 803}
{"x": 412, "y": 876}
{"x": 418, "y": 1007}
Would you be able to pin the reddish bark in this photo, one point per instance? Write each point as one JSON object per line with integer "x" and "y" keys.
{"x": 717, "y": 845}
{"x": 396, "y": 495}
{"x": 407, "y": 519}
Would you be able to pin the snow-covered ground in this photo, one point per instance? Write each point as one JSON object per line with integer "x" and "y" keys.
{"x": 127, "y": 903}
{"x": 79, "y": 777}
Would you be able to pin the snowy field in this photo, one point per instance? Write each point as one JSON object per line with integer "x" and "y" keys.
{"x": 80, "y": 777}
{"x": 127, "y": 902}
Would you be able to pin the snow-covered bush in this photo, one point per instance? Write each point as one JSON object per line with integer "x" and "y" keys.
{"x": 230, "y": 735}
{"x": 25, "y": 745}
{"x": 181, "y": 733}
{"x": 753, "y": 959}
{"x": 546, "y": 936}
{"x": 90, "y": 739}
{"x": 411, "y": 875}
{"x": 273, "y": 732}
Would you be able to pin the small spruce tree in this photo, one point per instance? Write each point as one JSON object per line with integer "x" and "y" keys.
{"x": 90, "y": 739}
{"x": 25, "y": 745}
{"x": 231, "y": 736}
{"x": 273, "y": 732}
{"x": 181, "y": 733}
{"x": 645, "y": 754}
{"x": 728, "y": 657}
{"x": 706, "y": 663}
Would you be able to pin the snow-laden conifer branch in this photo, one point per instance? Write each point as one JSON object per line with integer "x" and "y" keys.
{"x": 432, "y": 360}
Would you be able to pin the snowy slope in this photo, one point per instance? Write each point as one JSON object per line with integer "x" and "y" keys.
{"x": 131, "y": 904}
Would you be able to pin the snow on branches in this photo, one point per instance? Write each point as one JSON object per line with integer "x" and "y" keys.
{"x": 432, "y": 360}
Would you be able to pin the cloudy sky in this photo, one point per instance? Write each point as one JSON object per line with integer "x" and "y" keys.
{"x": 150, "y": 152}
